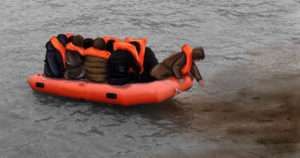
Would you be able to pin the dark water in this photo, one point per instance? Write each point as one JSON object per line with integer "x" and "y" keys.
{"x": 249, "y": 107}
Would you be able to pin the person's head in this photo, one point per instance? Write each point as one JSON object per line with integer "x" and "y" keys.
{"x": 63, "y": 39}
{"x": 77, "y": 40}
{"x": 110, "y": 45}
{"x": 87, "y": 43}
{"x": 99, "y": 43}
{"x": 198, "y": 53}
{"x": 136, "y": 45}
{"x": 70, "y": 39}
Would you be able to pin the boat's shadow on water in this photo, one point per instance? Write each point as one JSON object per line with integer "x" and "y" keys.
{"x": 171, "y": 110}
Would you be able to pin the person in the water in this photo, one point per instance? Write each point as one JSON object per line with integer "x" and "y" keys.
{"x": 174, "y": 65}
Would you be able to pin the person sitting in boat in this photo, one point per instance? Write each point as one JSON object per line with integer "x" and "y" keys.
{"x": 180, "y": 64}
{"x": 146, "y": 56}
{"x": 109, "y": 42}
{"x": 96, "y": 61}
{"x": 124, "y": 65}
{"x": 74, "y": 59}
{"x": 55, "y": 55}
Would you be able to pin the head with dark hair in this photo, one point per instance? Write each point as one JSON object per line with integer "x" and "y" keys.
{"x": 70, "y": 39}
{"x": 87, "y": 43}
{"x": 99, "y": 43}
{"x": 110, "y": 45}
{"x": 78, "y": 40}
{"x": 198, "y": 53}
{"x": 63, "y": 39}
{"x": 137, "y": 46}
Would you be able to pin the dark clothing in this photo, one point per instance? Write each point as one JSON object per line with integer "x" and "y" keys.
{"x": 74, "y": 66}
{"x": 110, "y": 46}
{"x": 150, "y": 62}
{"x": 118, "y": 68}
{"x": 172, "y": 66}
{"x": 122, "y": 68}
{"x": 54, "y": 66}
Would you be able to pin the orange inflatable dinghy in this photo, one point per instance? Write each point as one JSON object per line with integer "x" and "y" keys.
{"x": 126, "y": 95}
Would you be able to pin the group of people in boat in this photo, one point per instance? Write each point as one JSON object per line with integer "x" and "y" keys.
{"x": 116, "y": 61}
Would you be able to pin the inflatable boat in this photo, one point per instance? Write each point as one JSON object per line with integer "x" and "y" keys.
{"x": 126, "y": 95}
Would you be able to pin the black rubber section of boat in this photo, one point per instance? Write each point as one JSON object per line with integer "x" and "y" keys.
{"x": 111, "y": 95}
{"x": 40, "y": 85}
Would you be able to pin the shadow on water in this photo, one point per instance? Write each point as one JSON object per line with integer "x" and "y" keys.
{"x": 269, "y": 113}
{"x": 170, "y": 112}
{"x": 263, "y": 112}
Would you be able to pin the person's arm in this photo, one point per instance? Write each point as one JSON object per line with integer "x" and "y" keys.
{"x": 195, "y": 72}
{"x": 177, "y": 66}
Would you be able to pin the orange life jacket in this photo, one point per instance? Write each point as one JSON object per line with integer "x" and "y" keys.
{"x": 59, "y": 47}
{"x": 187, "y": 50}
{"x": 71, "y": 47}
{"x": 142, "y": 43}
{"x": 130, "y": 49}
{"x": 107, "y": 38}
{"x": 97, "y": 53}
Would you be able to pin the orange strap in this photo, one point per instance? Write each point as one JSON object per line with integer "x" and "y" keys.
{"x": 187, "y": 50}
{"x": 142, "y": 42}
{"x": 97, "y": 53}
{"x": 59, "y": 47}
{"x": 71, "y": 47}
{"x": 107, "y": 38}
{"x": 130, "y": 49}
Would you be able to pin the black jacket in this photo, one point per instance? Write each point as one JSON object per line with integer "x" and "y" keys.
{"x": 149, "y": 62}
{"x": 120, "y": 63}
{"x": 118, "y": 66}
{"x": 54, "y": 66}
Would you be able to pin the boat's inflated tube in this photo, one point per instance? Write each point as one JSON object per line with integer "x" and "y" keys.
{"x": 126, "y": 95}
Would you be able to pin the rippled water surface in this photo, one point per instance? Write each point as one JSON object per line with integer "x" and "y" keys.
{"x": 249, "y": 107}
